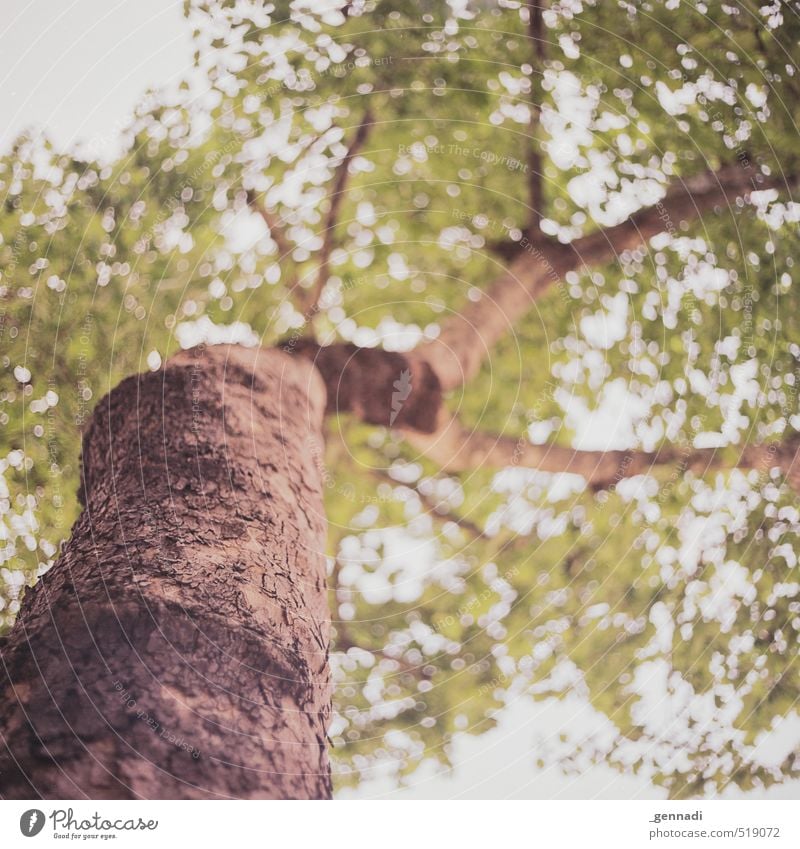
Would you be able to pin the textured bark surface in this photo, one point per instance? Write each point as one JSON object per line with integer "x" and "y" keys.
{"x": 178, "y": 647}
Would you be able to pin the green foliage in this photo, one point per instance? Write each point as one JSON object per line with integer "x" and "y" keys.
{"x": 670, "y": 604}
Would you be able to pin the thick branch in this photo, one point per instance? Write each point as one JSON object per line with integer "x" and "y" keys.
{"x": 467, "y": 338}
{"x": 685, "y": 201}
{"x": 380, "y": 387}
{"x": 457, "y": 449}
{"x": 370, "y": 384}
{"x": 366, "y": 383}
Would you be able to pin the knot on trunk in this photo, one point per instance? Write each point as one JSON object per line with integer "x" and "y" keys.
{"x": 380, "y": 387}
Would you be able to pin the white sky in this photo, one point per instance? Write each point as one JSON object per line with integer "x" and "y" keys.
{"x": 76, "y": 69}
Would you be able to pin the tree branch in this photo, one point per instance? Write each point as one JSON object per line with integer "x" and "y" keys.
{"x": 458, "y": 449}
{"x": 363, "y": 381}
{"x": 276, "y": 227}
{"x": 535, "y": 186}
{"x": 331, "y": 219}
{"x": 277, "y": 232}
{"x": 436, "y": 507}
{"x": 467, "y": 338}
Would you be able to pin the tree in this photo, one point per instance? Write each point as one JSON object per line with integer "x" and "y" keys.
{"x": 349, "y": 196}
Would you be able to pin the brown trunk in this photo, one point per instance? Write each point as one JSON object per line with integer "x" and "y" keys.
{"x": 178, "y": 647}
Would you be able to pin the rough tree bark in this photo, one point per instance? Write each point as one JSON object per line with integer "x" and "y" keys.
{"x": 178, "y": 648}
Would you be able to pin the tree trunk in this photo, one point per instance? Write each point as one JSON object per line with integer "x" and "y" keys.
{"x": 178, "y": 647}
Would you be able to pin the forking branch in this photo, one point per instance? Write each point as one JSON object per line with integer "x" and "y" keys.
{"x": 456, "y": 355}
{"x": 467, "y": 337}
{"x": 308, "y": 299}
{"x": 338, "y": 193}
{"x": 277, "y": 232}
{"x": 361, "y": 379}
